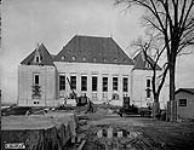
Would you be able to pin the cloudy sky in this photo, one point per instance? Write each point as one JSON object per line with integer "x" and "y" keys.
{"x": 54, "y": 22}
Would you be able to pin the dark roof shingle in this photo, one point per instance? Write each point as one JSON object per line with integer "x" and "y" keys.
{"x": 46, "y": 58}
{"x": 90, "y": 49}
{"x": 141, "y": 63}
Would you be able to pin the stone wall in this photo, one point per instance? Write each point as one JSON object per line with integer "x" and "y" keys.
{"x": 47, "y": 82}
{"x": 99, "y": 70}
{"x": 138, "y": 89}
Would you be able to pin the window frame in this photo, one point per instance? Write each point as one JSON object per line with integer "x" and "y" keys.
{"x": 182, "y": 105}
{"x": 125, "y": 84}
{"x": 36, "y": 75}
{"x": 115, "y": 84}
{"x": 74, "y": 82}
{"x": 105, "y": 84}
{"x": 62, "y": 86}
{"x": 83, "y": 83}
{"x": 94, "y": 85}
{"x": 37, "y": 59}
{"x": 148, "y": 93}
{"x": 148, "y": 84}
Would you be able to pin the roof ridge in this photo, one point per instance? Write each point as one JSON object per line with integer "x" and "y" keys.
{"x": 93, "y": 36}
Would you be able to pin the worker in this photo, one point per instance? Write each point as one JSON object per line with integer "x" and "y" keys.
{"x": 90, "y": 107}
{"x": 85, "y": 99}
{"x": 65, "y": 101}
{"x": 120, "y": 113}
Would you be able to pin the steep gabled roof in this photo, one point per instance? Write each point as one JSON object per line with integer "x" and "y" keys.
{"x": 90, "y": 49}
{"x": 53, "y": 56}
{"x": 188, "y": 90}
{"x": 46, "y": 58}
{"x": 141, "y": 63}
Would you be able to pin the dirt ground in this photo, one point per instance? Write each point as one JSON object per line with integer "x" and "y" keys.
{"x": 133, "y": 133}
{"x": 138, "y": 133}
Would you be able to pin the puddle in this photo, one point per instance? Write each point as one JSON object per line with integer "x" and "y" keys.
{"x": 111, "y": 138}
{"x": 106, "y": 137}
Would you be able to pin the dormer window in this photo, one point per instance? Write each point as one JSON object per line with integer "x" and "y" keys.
{"x": 115, "y": 60}
{"x": 94, "y": 59}
{"x": 62, "y": 58}
{"x": 73, "y": 58}
{"x": 84, "y": 58}
{"x": 37, "y": 59}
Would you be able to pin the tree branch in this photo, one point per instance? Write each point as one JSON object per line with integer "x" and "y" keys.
{"x": 163, "y": 78}
{"x": 187, "y": 14}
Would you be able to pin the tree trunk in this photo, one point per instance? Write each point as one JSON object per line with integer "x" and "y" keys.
{"x": 172, "y": 88}
{"x": 156, "y": 107}
{"x": 172, "y": 82}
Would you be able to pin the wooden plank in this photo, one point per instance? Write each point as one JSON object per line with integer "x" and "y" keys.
{"x": 81, "y": 145}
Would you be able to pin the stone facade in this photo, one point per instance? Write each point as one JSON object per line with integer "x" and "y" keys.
{"x": 95, "y": 70}
{"x": 99, "y": 67}
{"x": 47, "y": 85}
{"x": 139, "y": 87}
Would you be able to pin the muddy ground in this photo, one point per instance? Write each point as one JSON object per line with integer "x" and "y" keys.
{"x": 106, "y": 130}
{"x": 137, "y": 133}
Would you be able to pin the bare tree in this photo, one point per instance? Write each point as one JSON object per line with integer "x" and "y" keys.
{"x": 174, "y": 21}
{"x": 153, "y": 52}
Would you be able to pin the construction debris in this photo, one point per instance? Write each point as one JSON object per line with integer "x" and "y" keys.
{"x": 38, "y": 132}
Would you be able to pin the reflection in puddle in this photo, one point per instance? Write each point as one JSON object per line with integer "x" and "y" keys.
{"x": 111, "y": 138}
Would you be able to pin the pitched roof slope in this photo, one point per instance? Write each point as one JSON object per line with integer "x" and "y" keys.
{"x": 46, "y": 58}
{"x": 141, "y": 63}
{"x": 188, "y": 90}
{"x": 90, "y": 49}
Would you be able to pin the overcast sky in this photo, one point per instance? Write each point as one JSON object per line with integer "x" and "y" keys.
{"x": 55, "y": 22}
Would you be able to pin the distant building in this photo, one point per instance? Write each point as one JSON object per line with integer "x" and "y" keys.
{"x": 95, "y": 66}
{"x": 185, "y": 103}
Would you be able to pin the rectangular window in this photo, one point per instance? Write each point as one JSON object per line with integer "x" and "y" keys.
{"x": 147, "y": 65}
{"x": 94, "y": 83}
{"x": 73, "y": 82}
{"x": 125, "y": 84}
{"x": 105, "y": 84}
{"x": 115, "y": 83}
{"x": 148, "y": 86}
{"x": 84, "y": 83}
{"x": 36, "y": 79}
{"x": 61, "y": 82}
{"x": 148, "y": 83}
{"x": 182, "y": 102}
{"x": 37, "y": 59}
{"x": 148, "y": 93}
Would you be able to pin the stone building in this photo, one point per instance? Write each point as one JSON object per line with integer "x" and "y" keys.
{"x": 95, "y": 66}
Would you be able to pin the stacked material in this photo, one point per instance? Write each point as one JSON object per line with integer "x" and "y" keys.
{"x": 38, "y": 132}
